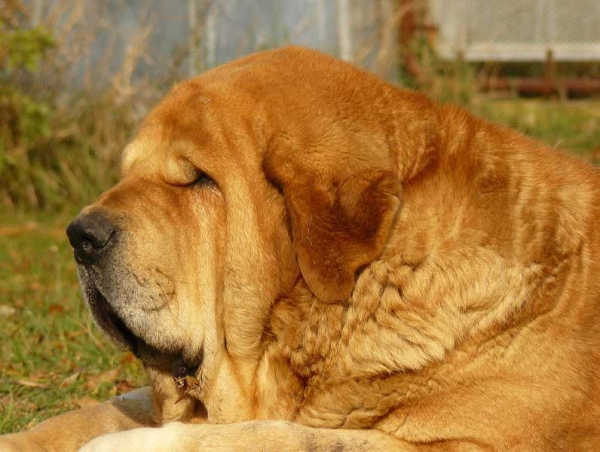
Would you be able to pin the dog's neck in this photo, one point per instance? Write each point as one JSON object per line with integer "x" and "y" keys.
{"x": 323, "y": 349}
{"x": 378, "y": 331}
{"x": 415, "y": 307}
{"x": 371, "y": 355}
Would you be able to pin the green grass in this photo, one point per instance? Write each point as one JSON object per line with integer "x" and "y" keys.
{"x": 573, "y": 126}
{"x": 52, "y": 357}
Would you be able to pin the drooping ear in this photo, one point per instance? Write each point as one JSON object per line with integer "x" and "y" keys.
{"x": 341, "y": 211}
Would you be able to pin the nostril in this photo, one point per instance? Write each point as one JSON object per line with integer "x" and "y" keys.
{"x": 88, "y": 234}
{"x": 91, "y": 243}
{"x": 95, "y": 239}
{"x": 86, "y": 246}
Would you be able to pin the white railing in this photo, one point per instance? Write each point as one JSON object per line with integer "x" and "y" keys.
{"x": 517, "y": 30}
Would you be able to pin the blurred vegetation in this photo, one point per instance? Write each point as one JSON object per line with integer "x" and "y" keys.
{"x": 59, "y": 147}
{"x": 49, "y": 153}
{"x": 573, "y": 126}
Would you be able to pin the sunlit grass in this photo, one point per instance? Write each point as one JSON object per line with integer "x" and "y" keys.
{"x": 573, "y": 126}
{"x": 53, "y": 357}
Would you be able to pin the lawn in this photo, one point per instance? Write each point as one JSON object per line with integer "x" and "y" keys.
{"x": 573, "y": 125}
{"x": 53, "y": 358}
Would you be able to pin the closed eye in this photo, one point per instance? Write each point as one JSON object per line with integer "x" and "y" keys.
{"x": 203, "y": 180}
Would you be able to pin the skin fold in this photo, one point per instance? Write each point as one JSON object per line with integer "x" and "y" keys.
{"x": 334, "y": 264}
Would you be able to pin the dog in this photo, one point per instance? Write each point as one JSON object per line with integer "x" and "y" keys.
{"x": 307, "y": 258}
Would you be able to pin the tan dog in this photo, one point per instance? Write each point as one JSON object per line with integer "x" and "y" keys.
{"x": 311, "y": 259}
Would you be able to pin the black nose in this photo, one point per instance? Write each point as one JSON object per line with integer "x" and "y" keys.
{"x": 89, "y": 235}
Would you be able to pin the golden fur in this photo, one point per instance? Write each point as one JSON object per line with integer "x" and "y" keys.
{"x": 368, "y": 271}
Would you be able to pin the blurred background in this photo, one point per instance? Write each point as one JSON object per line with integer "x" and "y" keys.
{"x": 77, "y": 76}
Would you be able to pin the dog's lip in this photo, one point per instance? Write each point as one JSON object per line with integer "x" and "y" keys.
{"x": 107, "y": 318}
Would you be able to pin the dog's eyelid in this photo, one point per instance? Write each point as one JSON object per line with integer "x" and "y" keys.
{"x": 196, "y": 175}
{"x": 202, "y": 180}
{"x": 181, "y": 172}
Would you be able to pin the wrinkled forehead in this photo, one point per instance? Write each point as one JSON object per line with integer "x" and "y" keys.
{"x": 178, "y": 158}
{"x": 138, "y": 152}
{"x": 209, "y": 126}
{"x": 176, "y": 162}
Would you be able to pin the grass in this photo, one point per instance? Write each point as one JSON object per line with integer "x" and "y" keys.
{"x": 572, "y": 125}
{"x": 53, "y": 359}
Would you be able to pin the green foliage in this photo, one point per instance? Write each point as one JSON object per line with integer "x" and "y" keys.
{"x": 51, "y": 153}
{"x": 24, "y": 119}
{"x": 573, "y": 126}
{"x": 24, "y": 48}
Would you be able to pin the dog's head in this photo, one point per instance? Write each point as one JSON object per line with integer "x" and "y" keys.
{"x": 263, "y": 171}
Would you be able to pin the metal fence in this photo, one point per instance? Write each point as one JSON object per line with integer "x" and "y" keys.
{"x": 156, "y": 38}
{"x": 517, "y": 30}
